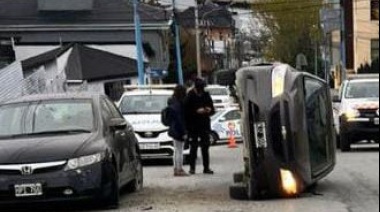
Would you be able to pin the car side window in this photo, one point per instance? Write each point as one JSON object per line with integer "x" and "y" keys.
{"x": 317, "y": 120}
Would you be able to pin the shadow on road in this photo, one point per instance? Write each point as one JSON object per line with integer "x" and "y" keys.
{"x": 74, "y": 206}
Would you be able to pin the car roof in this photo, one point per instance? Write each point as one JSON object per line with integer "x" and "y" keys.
{"x": 149, "y": 92}
{"x": 62, "y": 96}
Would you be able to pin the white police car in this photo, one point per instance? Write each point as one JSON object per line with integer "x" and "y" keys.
{"x": 225, "y": 122}
{"x": 142, "y": 108}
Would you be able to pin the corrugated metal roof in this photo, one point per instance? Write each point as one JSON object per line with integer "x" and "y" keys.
{"x": 11, "y": 82}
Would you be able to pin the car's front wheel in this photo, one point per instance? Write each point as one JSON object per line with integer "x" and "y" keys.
{"x": 112, "y": 196}
{"x": 214, "y": 138}
{"x": 138, "y": 183}
{"x": 345, "y": 142}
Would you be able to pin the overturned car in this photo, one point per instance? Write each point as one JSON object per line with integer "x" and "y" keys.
{"x": 289, "y": 137}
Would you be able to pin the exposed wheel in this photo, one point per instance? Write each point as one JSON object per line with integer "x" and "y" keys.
{"x": 337, "y": 141}
{"x": 238, "y": 177}
{"x": 238, "y": 192}
{"x": 138, "y": 183}
{"x": 345, "y": 142}
{"x": 214, "y": 138}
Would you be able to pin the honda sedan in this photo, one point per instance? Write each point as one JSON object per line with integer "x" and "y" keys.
{"x": 66, "y": 147}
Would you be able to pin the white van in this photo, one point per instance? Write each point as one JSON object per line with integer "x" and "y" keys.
{"x": 142, "y": 108}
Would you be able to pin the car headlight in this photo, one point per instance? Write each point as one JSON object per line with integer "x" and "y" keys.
{"x": 84, "y": 161}
{"x": 352, "y": 113}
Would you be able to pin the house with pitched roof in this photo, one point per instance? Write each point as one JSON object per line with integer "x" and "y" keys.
{"x": 32, "y": 27}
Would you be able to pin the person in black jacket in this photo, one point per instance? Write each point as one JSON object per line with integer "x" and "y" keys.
{"x": 199, "y": 109}
{"x": 177, "y": 129}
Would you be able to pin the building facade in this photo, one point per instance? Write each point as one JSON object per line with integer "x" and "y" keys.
{"x": 362, "y": 33}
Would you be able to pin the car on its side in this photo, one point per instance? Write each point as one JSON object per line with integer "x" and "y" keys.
{"x": 358, "y": 112}
{"x": 143, "y": 109}
{"x": 226, "y": 123}
{"x": 66, "y": 147}
{"x": 220, "y": 96}
{"x": 289, "y": 136}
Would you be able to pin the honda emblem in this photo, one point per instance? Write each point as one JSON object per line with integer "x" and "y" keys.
{"x": 26, "y": 170}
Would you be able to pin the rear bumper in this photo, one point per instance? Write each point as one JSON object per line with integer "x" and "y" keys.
{"x": 88, "y": 183}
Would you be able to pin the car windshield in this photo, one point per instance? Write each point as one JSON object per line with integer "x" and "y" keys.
{"x": 46, "y": 117}
{"x": 217, "y": 91}
{"x": 361, "y": 90}
{"x": 144, "y": 104}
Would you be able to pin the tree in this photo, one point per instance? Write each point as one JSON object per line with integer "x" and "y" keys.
{"x": 294, "y": 26}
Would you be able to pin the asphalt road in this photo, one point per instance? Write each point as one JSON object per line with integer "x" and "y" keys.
{"x": 352, "y": 187}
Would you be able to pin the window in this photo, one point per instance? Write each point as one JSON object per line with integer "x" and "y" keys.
{"x": 7, "y": 55}
{"x": 375, "y": 49}
{"x": 317, "y": 121}
{"x": 375, "y": 10}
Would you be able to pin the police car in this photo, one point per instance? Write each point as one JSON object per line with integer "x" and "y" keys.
{"x": 142, "y": 108}
{"x": 226, "y": 123}
{"x": 358, "y": 111}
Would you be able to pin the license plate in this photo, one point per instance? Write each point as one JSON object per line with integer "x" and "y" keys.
{"x": 150, "y": 146}
{"x": 377, "y": 121}
{"x": 28, "y": 190}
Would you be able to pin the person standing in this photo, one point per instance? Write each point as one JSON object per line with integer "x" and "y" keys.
{"x": 177, "y": 128}
{"x": 199, "y": 109}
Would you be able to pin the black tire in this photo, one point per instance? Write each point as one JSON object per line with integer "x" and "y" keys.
{"x": 337, "y": 141}
{"x": 138, "y": 183}
{"x": 214, "y": 138}
{"x": 112, "y": 199}
{"x": 238, "y": 192}
{"x": 345, "y": 142}
{"x": 239, "y": 177}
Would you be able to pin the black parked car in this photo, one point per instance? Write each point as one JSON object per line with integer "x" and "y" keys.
{"x": 66, "y": 147}
{"x": 288, "y": 132}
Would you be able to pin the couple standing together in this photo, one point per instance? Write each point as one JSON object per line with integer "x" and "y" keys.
{"x": 191, "y": 122}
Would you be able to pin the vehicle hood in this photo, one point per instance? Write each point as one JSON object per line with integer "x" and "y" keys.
{"x": 146, "y": 123}
{"x": 361, "y": 103}
{"x": 45, "y": 148}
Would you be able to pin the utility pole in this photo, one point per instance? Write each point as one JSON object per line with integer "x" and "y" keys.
{"x": 178, "y": 47}
{"x": 139, "y": 46}
{"x": 198, "y": 41}
{"x": 343, "y": 42}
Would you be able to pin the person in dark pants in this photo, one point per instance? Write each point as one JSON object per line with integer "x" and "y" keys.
{"x": 199, "y": 109}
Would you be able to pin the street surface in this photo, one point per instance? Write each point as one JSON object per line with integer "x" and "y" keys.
{"x": 352, "y": 187}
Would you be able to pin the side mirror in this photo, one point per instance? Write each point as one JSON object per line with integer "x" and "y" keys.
{"x": 336, "y": 99}
{"x": 117, "y": 124}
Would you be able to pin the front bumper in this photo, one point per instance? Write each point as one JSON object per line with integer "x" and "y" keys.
{"x": 361, "y": 128}
{"x": 86, "y": 183}
{"x": 158, "y": 150}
